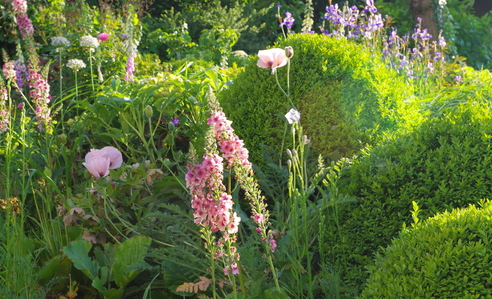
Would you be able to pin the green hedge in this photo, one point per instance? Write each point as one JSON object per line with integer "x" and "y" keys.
{"x": 345, "y": 96}
{"x": 447, "y": 256}
{"x": 444, "y": 163}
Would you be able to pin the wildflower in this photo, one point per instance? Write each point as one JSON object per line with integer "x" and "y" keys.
{"x": 175, "y": 121}
{"x": 75, "y": 64}
{"x": 103, "y": 36}
{"x": 4, "y": 114}
{"x": 370, "y": 7}
{"x": 99, "y": 161}
{"x": 273, "y": 245}
{"x": 20, "y": 6}
{"x": 20, "y": 71}
{"x": 124, "y": 36}
{"x": 293, "y": 116}
{"x": 288, "y": 21}
{"x": 235, "y": 269}
{"x": 25, "y": 25}
{"x": 89, "y": 42}
{"x": 458, "y": 79}
{"x": 9, "y": 71}
{"x": 40, "y": 93}
{"x": 289, "y": 52}
{"x": 130, "y": 67}
{"x": 60, "y": 42}
{"x": 272, "y": 59}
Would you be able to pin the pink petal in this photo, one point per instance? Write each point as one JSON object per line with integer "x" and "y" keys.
{"x": 97, "y": 166}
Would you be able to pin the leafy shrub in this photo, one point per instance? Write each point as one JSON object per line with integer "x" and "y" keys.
{"x": 447, "y": 256}
{"x": 345, "y": 96}
{"x": 444, "y": 163}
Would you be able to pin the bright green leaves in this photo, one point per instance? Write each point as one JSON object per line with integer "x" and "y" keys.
{"x": 119, "y": 263}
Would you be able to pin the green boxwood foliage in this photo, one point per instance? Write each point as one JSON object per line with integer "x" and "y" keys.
{"x": 446, "y": 256}
{"x": 345, "y": 96}
{"x": 444, "y": 163}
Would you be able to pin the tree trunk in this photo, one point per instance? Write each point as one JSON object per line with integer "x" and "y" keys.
{"x": 423, "y": 9}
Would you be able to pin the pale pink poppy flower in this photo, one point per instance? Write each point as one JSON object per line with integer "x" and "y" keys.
{"x": 98, "y": 166}
{"x": 272, "y": 59}
{"x": 99, "y": 161}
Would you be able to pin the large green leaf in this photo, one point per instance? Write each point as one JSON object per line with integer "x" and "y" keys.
{"x": 129, "y": 256}
{"x": 78, "y": 252}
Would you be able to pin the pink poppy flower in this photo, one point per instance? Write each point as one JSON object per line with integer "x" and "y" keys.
{"x": 103, "y": 36}
{"x": 272, "y": 59}
{"x": 98, "y": 166}
{"x": 99, "y": 161}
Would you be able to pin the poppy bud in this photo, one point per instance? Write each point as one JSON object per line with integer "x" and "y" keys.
{"x": 148, "y": 111}
{"x": 289, "y": 52}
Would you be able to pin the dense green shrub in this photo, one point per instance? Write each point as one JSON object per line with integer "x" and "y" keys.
{"x": 447, "y": 256}
{"x": 345, "y": 96}
{"x": 444, "y": 163}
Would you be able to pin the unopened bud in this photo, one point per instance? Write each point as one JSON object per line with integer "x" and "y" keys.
{"x": 148, "y": 111}
{"x": 289, "y": 52}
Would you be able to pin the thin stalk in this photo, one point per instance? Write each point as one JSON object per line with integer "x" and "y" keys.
{"x": 92, "y": 75}
{"x": 61, "y": 91}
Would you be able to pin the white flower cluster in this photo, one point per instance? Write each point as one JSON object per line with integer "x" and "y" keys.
{"x": 75, "y": 64}
{"x": 60, "y": 42}
{"x": 89, "y": 42}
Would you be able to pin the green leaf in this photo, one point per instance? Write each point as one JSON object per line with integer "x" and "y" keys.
{"x": 231, "y": 295}
{"x": 78, "y": 253}
{"x": 128, "y": 256}
{"x": 273, "y": 293}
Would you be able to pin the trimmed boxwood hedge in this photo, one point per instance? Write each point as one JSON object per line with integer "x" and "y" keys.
{"x": 346, "y": 98}
{"x": 446, "y": 256}
{"x": 444, "y": 163}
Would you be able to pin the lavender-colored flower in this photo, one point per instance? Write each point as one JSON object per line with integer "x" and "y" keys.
{"x": 288, "y": 21}
{"x": 333, "y": 14}
{"x": 175, "y": 121}
{"x": 370, "y": 7}
{"x": 430, "y": 67}
{"x": 442, "y": 42}
{"x": 20, "y": 72}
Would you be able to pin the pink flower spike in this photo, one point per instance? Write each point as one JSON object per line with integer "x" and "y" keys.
{"x": 272, "y": 59}
{"x": 98, "y": 166}
{"x": 103, "y": 36}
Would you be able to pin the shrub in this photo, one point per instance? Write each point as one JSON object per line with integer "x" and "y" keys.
{"x": 447, "y": 256}
{"x": 444, "y": 163}
{"x": 345, "y": 96}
